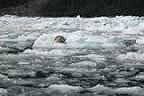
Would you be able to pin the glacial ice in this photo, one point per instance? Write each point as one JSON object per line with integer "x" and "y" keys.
{"x": 84, "y": 36}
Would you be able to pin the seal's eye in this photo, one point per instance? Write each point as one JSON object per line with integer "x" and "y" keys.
{"x": 60, "y": 39}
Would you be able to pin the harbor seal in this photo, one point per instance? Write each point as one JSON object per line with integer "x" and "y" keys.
{"x": 59, "y": 39}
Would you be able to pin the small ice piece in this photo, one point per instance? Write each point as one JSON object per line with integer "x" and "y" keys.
{"x": 130, "y": 56}
{"x": 110, "y": 45}
{"x": 23, "y": 63}
{"x": 140, "y": 41}
{"x": 140, "y": 77}
{"x": 3, "y": 92}
{"x": 57, "y": 52}
{"x": 96, "y": 58}
{"x": 134, "y": 91}
{"x": 63, "y": 89}
{"x": 63, "y": 52}
{"x": 84, "y": 64}
{"x": 101, "y": 89}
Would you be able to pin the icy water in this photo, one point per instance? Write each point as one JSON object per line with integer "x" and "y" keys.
{"x": 101, "y": 57}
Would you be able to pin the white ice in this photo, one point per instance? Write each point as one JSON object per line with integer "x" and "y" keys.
{"x": 80, "y": 33}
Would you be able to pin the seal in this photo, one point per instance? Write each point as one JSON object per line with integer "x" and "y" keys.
{"x": 60, "y": 39}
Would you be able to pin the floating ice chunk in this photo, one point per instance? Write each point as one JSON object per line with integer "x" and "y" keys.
{"x": 41, "y": 25}
{"x": 53, "y": 52}
{"x": 44, "y": 40}
{"x": 84, "y": 64}
{"x": 23, "y": 63}
{"x": 86, "y": 41}
{"x": 72, "y": 41}
{"x": 63, "y": 89}
{"x": 133, "y": 31}
{"x": 140, "y": 41}
{"x": 96, "y": 58}
{"x": 130, "y": 56}
{"x": 75, "y": 37}
{"x": 96, "y": 39}
{"x": 3, "y": 92}
{"x": 134, "y": 91}
{"x": 3, "y": 77}
{"x": 36, "y": 52}
{"x": 62, "y": 52}
{"x": 110, "y": 45}
{"x": 140, "y": 77}
{"x": 101, "y": 89}
{"x": 31, "y": 36}
{"x": 47, "y": 41}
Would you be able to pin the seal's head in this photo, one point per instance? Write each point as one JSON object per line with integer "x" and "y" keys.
{"x": 60, "y": 39}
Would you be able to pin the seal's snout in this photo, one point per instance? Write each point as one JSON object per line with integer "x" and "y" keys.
{"x": 60, "y": 39}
